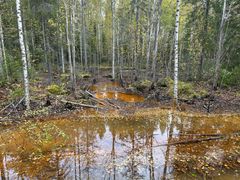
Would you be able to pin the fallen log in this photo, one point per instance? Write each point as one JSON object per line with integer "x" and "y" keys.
{"x": 191, "y": 141}
{"x": 211, "y": 135}
{"x": 103, "y": 102}
{"x": 80, "y": 104}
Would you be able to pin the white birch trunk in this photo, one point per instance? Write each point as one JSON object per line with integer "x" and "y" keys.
{"x": 220, "y": 45}
{"x": 26, "y": 46}
{"x": 175, "y": 91}
{"x": 113, "y": 39}
{"x": 62, "y": 54}
{"x": 69, "y": 45}
{"x": 73, "y": 22}
{"x": 157, "y": 28}
{"x": 1, "y": 63}
{"x": 23, "y": 52}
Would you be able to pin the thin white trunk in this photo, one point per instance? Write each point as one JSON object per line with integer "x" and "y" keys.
{"x": 73, "y": 22}
{"x": 84, "y": 35}
{"x": 113, "y": 39}
{"x": 23, "y": 52}
{"x": 175, "y": 91}
{"x": 62, "y": 54}
{"x": 26, "y": 45}
{"x": 157, "y": 28}
{"x": 1, "y": 63}
{"x": 220, "y": 45}
{"x": 150, "y": 32}
{"x": 69, "y": 46}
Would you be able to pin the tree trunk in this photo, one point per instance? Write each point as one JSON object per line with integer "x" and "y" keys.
{"x": 220, "y": 46}
{"x": 176, "y": 53}
{"x": 4, "y": 59}
{"x": 205, "y": 29}
{"x": 23, "y": 52}
{"x": 46, "y": 52}
{"x": 84, "y": 36}
{"x": 154, "y": 63}
{"x": 69, "y": 47}
{"x": 113, "y": 39}
{"x": 62, "y": 54}
{"x": 73, "y": 22}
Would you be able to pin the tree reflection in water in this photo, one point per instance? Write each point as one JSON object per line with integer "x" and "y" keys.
{"x": 113, "y": 148}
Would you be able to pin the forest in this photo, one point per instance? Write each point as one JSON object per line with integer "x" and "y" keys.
{"x": 132, "y": 78}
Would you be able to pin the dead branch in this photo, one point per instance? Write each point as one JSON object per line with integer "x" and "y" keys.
{"x": 191, "y": 141}
{"x": 79, "y": 104}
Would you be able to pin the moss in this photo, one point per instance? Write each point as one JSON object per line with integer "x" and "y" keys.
{"x": 18, "y": 92}
{"x": 142, "y": 85}
{"x": 85, "y": 75}
{"x": 186, "y": 90}
{"x": 56, "y": 89}
{"x": 238, "y": 94}
{"x": 64, "y": 77}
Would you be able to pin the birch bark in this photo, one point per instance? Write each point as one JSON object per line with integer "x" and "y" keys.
{"x": 23, "y": 53}
{"x": 220, "y": 45}
{"x": 175, "y": 91}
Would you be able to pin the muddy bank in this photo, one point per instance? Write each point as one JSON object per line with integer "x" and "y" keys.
{"x": 103, "y": 94}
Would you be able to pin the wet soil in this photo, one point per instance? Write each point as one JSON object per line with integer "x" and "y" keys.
{"x": 117, "y": 93}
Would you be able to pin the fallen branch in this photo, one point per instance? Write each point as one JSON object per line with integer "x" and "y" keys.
{"x": 80, "y": 104}
{"x": 211, "y": 135}
{"x": 11, "y": 104}
{"x": 103, "y": 102}
{"x": 191, "y": 141}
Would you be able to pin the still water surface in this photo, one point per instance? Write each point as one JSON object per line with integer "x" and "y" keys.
{"x": 97, "y": 146}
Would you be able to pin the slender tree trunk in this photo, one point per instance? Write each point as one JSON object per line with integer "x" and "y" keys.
{"x": 23, "y": 52}
{"x": 220, "y": 46}
{"x": 62, "y": 54}
{"x": 1, "y": 63}
{"x": 84, "y": 36}
{"x": 156, "y": 40}
{"x": 73, "y": 22}
{"x": 45, "y": 46}
{"x": 113, "y": 39}
{"x": 69, "y": 46}
{"x": 27, "y": 46}
{"x": 4, "y": 58}
{"x": 205, "y": 29}
{"x": 176, "y": 53}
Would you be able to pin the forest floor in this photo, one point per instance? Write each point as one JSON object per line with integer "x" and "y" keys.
{"x": 101, "y": 93}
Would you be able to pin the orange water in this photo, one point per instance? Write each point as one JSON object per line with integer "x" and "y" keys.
{"x": 130, "y": 98}
{"x": 120, "y": 147}
{"x": 110, "y": 90}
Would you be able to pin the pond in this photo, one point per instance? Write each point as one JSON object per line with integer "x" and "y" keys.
{"x": 149, "y": 144}
{"x": 112, "y": 90}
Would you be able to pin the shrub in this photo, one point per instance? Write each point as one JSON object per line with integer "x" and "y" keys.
{"x": 56, "y": 89}
{"x": 17, "y": 93}
{"x": 230, "y": 78}
{"x": 142, "y": 85}
{"x": 85, "y": 75}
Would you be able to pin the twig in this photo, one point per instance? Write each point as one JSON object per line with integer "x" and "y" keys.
{"x": 11, "y": 104}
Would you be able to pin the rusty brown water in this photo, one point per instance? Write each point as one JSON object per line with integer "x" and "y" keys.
{"x": 110, "y": 90}
{"x": 110, "y": 146}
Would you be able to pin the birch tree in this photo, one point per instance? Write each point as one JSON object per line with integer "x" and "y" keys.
{"x": 175, "y": 89}
{"x": 220, "y": 45}
{"x": 113, "y": 39}
{"x": 23, "y": 53}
